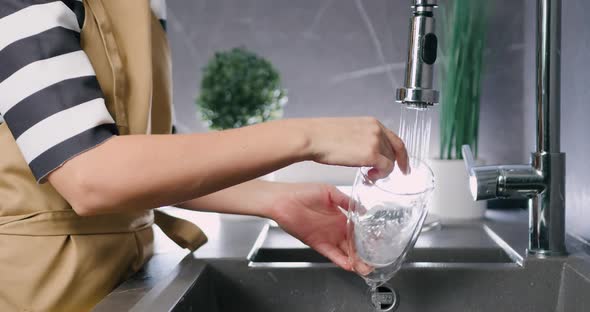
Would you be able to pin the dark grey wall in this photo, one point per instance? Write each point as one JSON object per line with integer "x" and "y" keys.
{"x": 575, "y": 110}
{"x": 342, "y": 58}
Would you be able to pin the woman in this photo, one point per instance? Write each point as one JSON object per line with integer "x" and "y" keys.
{"x": 87, "y": 154}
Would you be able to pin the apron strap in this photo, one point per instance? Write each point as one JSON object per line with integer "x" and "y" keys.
{"x": 114, "y": 57}
{"x": 66, "y": 222}
{"x": 184, "y": 233}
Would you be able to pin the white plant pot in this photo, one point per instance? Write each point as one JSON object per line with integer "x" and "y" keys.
{"x": 451, "y": 198}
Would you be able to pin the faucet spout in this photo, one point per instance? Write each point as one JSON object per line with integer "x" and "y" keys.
{"x": 422, "y": 53}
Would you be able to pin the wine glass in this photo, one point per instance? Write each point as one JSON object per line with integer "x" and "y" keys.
{"x": 384, "y": 220}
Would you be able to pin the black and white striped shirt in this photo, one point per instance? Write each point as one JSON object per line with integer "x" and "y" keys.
{"x": 50, "y": 98}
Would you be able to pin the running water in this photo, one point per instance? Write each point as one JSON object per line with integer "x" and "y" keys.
{"x": 414, "y": 130}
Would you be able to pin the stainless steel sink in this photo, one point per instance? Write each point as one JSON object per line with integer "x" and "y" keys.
{"x": 480, "y": 266}
{"x": 456, "y": 243}
{"x": 229, "y": 285}
{"x": 463, "y": 267}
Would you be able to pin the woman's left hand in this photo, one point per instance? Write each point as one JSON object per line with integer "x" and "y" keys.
{"x": 310, "y": 213}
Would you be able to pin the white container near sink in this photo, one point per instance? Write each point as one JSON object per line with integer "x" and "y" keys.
{"x": 452, "y": 198}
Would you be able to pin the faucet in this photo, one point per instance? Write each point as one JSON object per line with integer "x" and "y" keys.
{"x": 422, "y": 49}
{"x": 542, "y": 181}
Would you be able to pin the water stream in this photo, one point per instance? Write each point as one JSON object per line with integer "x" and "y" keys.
{"x": 414, "y": 130}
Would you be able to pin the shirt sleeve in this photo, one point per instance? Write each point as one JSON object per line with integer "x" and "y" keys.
{"x": 50, "y": 98}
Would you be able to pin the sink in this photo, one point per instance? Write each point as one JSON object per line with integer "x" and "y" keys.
{"x": 231, "y": 285}
{"x": 481, "y": 266}
{"x": 458, "y": 243}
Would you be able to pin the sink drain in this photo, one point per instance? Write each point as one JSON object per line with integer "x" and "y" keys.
{"x": 385, "y": 299}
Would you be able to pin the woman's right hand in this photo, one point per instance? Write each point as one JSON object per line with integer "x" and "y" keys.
{"x": 356, "y": 142}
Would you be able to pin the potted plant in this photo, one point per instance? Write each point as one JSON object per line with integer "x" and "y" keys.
{"x": 463, "y": 40}
{"x": 240, "y": 88}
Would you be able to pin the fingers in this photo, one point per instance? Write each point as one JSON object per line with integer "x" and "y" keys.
{"x": 390, "y": 149}
{"x": 382, "y": 168}
{"x": 344, "y": 247}
{"x": 335, "y": 254}
{"x": 356, "y": 264}
{"x": 399, "y": 148}
{"x": 339, "y": 199}
{"x": 362, "y": 268}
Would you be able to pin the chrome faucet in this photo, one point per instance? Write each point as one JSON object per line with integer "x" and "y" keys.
{"x": 422, "y": 49}
{"x": 543, "y": 180}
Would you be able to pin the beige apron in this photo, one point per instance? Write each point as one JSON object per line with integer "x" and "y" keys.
{"x": 50, "y": 258}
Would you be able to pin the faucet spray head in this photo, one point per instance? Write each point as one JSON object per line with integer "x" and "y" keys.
{"x": 422, "y": 52}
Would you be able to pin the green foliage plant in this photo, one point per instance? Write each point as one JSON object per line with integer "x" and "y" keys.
{"x": 464, "y": 24}
{"x": 240, "y": 88}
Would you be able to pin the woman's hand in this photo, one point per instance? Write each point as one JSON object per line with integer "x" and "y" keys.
{"x": 356, "y": 142}
{"x": 310, "y": 213}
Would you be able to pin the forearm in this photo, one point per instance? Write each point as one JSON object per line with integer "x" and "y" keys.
{"x": 148, "y": 171}
{"x": 254, "y": 197}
